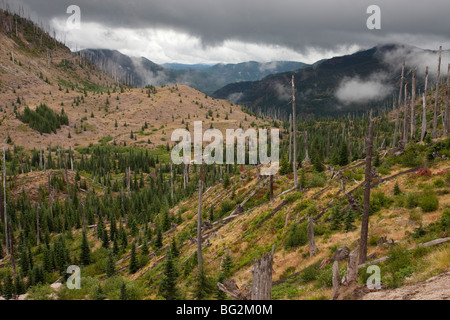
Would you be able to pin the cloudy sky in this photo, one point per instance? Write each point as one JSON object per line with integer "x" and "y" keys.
{"x": 231, "y": 31}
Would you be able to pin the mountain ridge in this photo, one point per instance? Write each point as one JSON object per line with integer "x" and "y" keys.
{"x": 141, "y": 71}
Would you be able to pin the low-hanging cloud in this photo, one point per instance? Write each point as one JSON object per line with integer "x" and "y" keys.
{"x": 416, "y": 58}
{"x": 357, "y": 90}
{"x": 283, "y": 93}
{"x": 302, "y": 26}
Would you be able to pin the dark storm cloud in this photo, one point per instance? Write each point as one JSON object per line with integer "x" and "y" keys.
{"x": 321, "y": 24}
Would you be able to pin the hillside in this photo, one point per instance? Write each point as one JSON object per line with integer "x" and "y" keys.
{"x": 97, "y": 107}
{"x": 373, "y": 72}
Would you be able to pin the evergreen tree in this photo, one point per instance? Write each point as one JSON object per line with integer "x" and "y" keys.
{"x": 144, "y": 248}
{"x": 99, "y": 294}
{"x": 110, "y": 264}
{"x": 105, "y": 240}
{"x": 348, "y": 221}
{"x": 19, "y": 285}
{"x": 116, "y": 246}
{"x": 8, "y": 288}
{"x": 336, "y": 218}
{"x": 133, "y": 267}
{"x": 317, "y": 163}
{"x": 397, "y": 190}
{"x": 123, "y": 291}
{"x": 220, "y": 295}
{"x": 158, "y": 241}
{"x": 174, "y": 249}
{"x": 85, "y": 255}
{"x": 343, "y": 155}
{"x": 203, "y": 286}
{"x": 227, "y": 266}
{"x": 168, "y": 286}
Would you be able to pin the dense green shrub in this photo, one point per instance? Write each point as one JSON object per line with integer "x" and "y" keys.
{"x": 428, "y": 202}
{"x": 298, "y": 236}
{"x": 412, "y": 200}
{"x": 379, "y": 200}
{"x": 317, "y": 180}
{"x": 310, "y": 273}
{"x": 399, "y": 265}
{"x": 412, "y": 157}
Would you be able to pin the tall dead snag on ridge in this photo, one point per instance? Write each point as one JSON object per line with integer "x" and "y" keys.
{"x": 438, "y": 79}
{"x": 366, "y": 207}
{"x": 446, "y": 115}
{"x": 5, "y": 218}
{"x": 262, "y": 277}
{"x": 290, "y": 138}
{"x": 294, "y": 134}
{"x": 413, "y": 105}
{"x": 424, "y": 108}
{"x": 399, "y": 101}
{"x": 199, "y": 220}
{"x": 405, "y": 117}
{"x": 312, "y": 243}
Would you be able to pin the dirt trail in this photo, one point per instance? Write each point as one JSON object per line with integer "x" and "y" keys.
{"x": 435, "y": 288}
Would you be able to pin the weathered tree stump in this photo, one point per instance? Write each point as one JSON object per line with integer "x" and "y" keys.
{"x": 262, "y": 278}
{"x": 312, "y": 243}
{"x": 352, "y": 266}
{"x": 336, "y": 280}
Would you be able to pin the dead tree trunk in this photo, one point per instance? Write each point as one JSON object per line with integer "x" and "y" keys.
{"x": 328, "y": 146}
{"x": 399, "y": 101}
{"x": 424, "y": 108}
{"x": 290, "y": 138}
{"x": 366, "y": 207}
{"x": 307, "y": 159}
{"x": 294, "y": 133}
{"x": 446, "y": 111}
{"x": 171, "y": 180}
{"x": 40, "y": 157}
{"x": 271, "y": 188}
{"x": 312, "y": 243}
{"x": 50, "y": 195}
{"x": 336, "y": 280}
{"x": 4, "y": 202}
{"x": 438, "y": 79}
{"x": 13, "y": 254}
{"x": 349, "y": 148}
{"x": 67, "y": 175}
{"x": 38, "y": 236}
{"x": 199, "y": 222}
{"x": 262, "y": 277}
{"x": 129, "y": 180}
{"x": 405, "y": 117}
{"x": 413, "y": 105}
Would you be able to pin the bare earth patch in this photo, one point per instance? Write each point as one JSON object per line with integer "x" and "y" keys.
{"x": 435, "y": 288}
